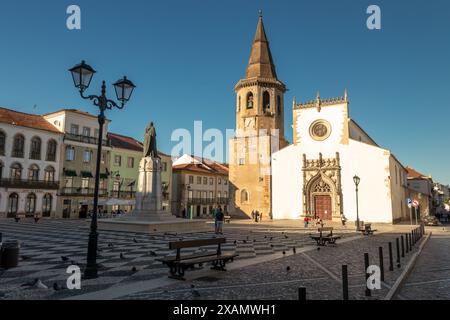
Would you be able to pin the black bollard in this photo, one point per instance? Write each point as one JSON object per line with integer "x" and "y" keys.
{"x": 380, "y": 253}
{"x": 407, "y": 242}
{"x": 344, "y": 282}
{"x": 397, "y": 244}
{"x": 302, "y": 294}
{"x": 410, "y": 242}
{"x": 403, "y": 245}
{"x": 366, "y": 265}
{"x": 391, "y": 260}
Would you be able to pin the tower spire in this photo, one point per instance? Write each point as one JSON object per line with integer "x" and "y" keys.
{"x": 261, "y": 63}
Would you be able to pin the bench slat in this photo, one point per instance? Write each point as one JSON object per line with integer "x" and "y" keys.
{"x": 195, "y": 243}
{"x": 208, "y": 259}
{"x": 186, "y": 257}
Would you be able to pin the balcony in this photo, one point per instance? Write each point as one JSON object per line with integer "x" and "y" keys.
{"x": 88, "y": 192}
{"x": 209, "y": 201}
{"x": 84, "y": 139}
{"x": 122, "y": 194}
{"x": 29, "y": 184}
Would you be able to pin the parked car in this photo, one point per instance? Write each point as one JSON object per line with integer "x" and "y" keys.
{"x": 430, "y": 221}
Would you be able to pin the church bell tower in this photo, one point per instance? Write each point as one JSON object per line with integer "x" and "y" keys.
{"x": 259, "y": 130}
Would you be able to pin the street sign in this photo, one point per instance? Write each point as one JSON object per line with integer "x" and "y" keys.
{"x": 409, "y": 203}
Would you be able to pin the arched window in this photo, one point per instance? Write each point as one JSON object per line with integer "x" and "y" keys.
{"x": 51, "y": 150}
{"x": 266, "y": 101}
{"x": 13, "y": 203}
{"x": 279, "y": 105}
{"x": 49, "y": 174}
{"x": 2, "y": 143}
{"x": 47, "y": 205}
{"x": 1, "y": 169}
{"x": 18, "y": 146}
{"x": 16, "y": 171}
{"x": 35, "y": 148}
{"x": 249, "y": 101}
{"x": 30, "y": 204}
{"x": 244, "y": 196}
{"x": 33, "y": 173}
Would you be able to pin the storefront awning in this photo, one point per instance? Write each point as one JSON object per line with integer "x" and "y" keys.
{"x": 103, "y": 176}
{"x": 86, "y": 174}
{"x": 70, "y": 173}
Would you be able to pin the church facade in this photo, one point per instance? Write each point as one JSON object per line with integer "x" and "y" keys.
{"x": 313, "y": 176}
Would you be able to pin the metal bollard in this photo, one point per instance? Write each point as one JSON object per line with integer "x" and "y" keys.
{"x": 344, "y": 282}
{"x": 410, "y": 242}
{"x": 380, "y": 254}
{"x": 391, "y": 260}
{"x": 366, "y": 265}
{"x": 407, "y": 242}
{"x": 397, "y": 244}
{"x": 403, "y": 245}
{"x": 302, "y": 294}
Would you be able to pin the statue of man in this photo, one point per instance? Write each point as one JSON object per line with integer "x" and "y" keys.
{"x": 150, "y": 149}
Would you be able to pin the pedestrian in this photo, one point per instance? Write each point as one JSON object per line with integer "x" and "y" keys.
{"x": 257, "y": 216}
{"x": 183, "y": 213}
{"x": 219, "y": 217}
{"x": 260, "y": 216}
{"x": 343, "y": 219}
{"x": 306, "y": 222}
{"x": 253, "y": 215}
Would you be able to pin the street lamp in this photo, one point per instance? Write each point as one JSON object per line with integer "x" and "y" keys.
{"x": 356, "y": 180}
{"x": 188, "y": 188}
{"x": 82, "y": 75}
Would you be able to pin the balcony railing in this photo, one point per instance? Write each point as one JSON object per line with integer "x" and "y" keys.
{"x": 208, "y": 201}
{"x": 122, "y": 194}
{"x": 85, "y": 139}
{"x": 73, "y": 191}
{"x": 29, "y": 184}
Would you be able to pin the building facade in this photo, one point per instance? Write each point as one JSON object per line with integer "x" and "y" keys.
{"x": 29, "y": 165}
{"x": 198, "y": 186}
{"x": 421, "y": 188}
{"x": 78, "y": 162}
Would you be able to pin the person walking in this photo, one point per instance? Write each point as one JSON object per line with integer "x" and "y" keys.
{"x": 219, "y": 217}
{"x": 257, "y": 216}
{"x": 306, "y": 222}
{"x": 343, "y": 219}
{"x": 253, "y": 215}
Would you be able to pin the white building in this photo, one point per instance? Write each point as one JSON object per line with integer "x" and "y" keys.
{"x": 29, "y": 164}
{"x": 314, "y": 176}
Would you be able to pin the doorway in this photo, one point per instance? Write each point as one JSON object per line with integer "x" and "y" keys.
{"x": 322, "y": 207}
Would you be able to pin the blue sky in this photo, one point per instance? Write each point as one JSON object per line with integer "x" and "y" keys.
{"x": 185, "y": 57}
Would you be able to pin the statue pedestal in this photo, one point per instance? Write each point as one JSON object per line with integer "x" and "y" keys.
{"x": 148, "y": 215}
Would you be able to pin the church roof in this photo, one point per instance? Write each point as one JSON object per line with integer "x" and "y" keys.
{"x": 414, "y": 174}
{"x": 260, "y": 63}
{"x": 33, "y": 121}
{"x": 200, "y": 165}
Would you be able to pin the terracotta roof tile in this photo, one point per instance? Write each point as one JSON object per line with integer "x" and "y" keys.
{"x": 412, "y": 173}
{"x": 124, "y": 142}
{"x": 34, "y": 121}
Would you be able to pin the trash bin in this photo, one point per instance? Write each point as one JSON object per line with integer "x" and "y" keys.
{"x": 10, "y": 254}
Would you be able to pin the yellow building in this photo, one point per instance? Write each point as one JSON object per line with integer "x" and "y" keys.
{"x": 259, "y": 130}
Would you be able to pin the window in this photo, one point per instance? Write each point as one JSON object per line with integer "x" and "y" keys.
{"x": 225, "y": 195}
{"x": 266, "y": 101}
{"x": 130, "y": 162}
{"x": 86, "y": 131}
{"x": 85, "y": 183}
{"x": 249, "y": 101}
{"x": 96, "y": 132}
{"x": 239, "y": 104}
{"x": 33, "y": 173}
{"x": 279, "y": 105}
{"x": 16, "y": 171}
{"x": 219, "y": 181}
{"x": 35, "y": 148}
{"x": 190, "y": 194}
{"x": 219, "y": 194}
{"x": 1, "y": 169}
{"x": 116, "y": 185}
{"x": 18, "y": 146}
{"x": 244, "y": 196}
{"x": 241, "y": 161}
{"x": 51, "y": 150}
{"x": 205, "y": 180}
{"x": 117, "y": 160}
{"x": 74, "y": 129}
{"x": 225, "y": 181}
{"x": 211, "y": 194}
{"x": 70, "y": 153}
{"x": 103, "y": 184}
{"x": 103, "y": 158}
{"x": 164, "y": 166}
{"x": 211, "y": 181}
{"x": 2, "y": 143}
{"x": 68, "y": 182}
{"x": 199, "y": 180}
{"x": 191, "y": 179}
{"x": 49, "y": 174}
{"x": 47, "y": 205}
{"x": 13, "y": 203}
{"x": 87, "y": 154}
{"x": 30, "y": 205}
{"x": 204, "y": 210}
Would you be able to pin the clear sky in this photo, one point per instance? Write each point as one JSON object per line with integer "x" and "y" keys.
{"x": 185, "y": 56}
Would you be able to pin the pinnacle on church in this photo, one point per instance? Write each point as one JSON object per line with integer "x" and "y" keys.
{"x": 261, "y": 62}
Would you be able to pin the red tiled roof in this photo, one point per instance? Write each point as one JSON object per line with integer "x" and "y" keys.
{"x": 26, "y": 120}
{"x": 412, "y": 173}
{"x": 124, "y": 142}
{"x": 205, "y": 166}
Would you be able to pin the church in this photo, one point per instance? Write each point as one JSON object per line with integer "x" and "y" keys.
{"x": 332, "y": 168}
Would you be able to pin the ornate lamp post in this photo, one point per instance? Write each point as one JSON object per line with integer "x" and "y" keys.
{"x": 357, "y": 180}
{"x": 82, "y": 75}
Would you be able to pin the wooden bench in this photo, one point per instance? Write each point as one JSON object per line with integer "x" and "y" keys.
{"x": 367, "y": 229}
{"x": 179, "y": 264}
{"x": 322, "y": 239}
{"x": 227, "y": 219}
